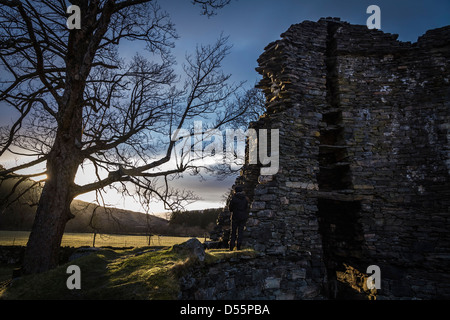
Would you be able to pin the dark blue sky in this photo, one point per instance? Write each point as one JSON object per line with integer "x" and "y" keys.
{"x": 252, "y": 24}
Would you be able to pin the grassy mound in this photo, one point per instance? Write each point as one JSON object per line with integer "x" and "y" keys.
{"x": 141, "y": 273}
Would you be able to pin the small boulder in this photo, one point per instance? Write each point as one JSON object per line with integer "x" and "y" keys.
{"x": 194, "y": 247}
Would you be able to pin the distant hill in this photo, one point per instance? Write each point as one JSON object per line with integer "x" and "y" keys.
{"x": 20, "y": 214}
{"x": 113, "y": 220}
{"x": 90, "y": 217}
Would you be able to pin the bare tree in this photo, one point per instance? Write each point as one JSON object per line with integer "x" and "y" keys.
{"x": 80, "y": 104}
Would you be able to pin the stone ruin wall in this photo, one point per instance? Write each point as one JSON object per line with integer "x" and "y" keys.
{"x": 364, "y": 162}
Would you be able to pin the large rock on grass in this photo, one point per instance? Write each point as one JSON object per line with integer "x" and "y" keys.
{"x": 194, "y": 247}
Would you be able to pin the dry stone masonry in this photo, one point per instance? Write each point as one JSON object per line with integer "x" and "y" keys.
{"x": 364, "y": 125}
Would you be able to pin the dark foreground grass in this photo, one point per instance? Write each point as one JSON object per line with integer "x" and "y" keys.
{"x": 143, "y": 274}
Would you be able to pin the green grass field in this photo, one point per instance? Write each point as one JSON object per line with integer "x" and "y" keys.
{"x": 20, "y": 238}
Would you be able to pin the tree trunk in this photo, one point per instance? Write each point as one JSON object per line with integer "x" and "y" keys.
{"x": 53, "y": 212}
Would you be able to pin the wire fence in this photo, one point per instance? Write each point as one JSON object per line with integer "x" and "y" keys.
{"x": 20, "y": 238}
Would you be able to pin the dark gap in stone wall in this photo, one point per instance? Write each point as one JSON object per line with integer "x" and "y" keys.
{"x": 339, "y": 221}
{"x": 334, "y": 171}
{"x": 342, "y": 235}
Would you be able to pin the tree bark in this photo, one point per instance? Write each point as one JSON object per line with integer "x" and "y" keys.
{"x": 42, "y": 249}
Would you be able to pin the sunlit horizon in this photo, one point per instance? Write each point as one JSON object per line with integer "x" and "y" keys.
{"x": 211, "y": 191}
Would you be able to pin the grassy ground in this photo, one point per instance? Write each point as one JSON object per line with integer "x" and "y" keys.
{"x": 140, "y": 273}
{"x": 20, "y": 238}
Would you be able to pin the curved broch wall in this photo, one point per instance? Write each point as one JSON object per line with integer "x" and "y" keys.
{"x": 364, "y": 161}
